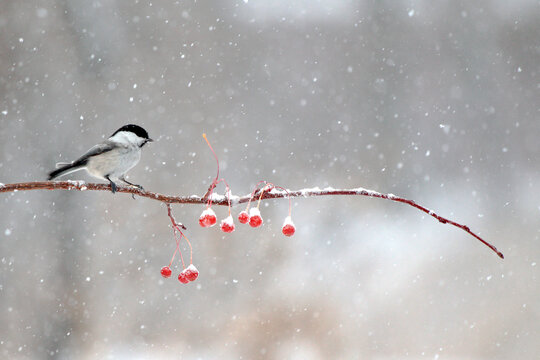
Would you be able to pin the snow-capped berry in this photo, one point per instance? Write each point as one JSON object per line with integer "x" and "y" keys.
{"x": 208, "y": 218}
{"x": 288, "y": 228}
{"x": 182, "y": 278}
{"x": 191, "y": 273}
{"x": 243, "y": 217}
{"x": 166, "y": 271}
{"x": 255, "y": 218}
{"x": 227, "y": 224}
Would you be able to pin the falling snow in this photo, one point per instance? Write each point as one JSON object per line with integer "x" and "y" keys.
{"x": 438, "y": 104}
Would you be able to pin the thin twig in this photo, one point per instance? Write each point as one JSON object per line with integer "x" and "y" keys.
{"x": 223, "y": 201}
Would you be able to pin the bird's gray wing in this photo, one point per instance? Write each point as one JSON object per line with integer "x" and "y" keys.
{"x": 66, "y": 168}
{"x": 98, "y": 149}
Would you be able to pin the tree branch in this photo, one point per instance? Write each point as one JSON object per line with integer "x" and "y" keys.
{"x": 235, "y": 200}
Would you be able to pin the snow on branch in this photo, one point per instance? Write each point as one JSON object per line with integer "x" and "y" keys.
{"x": 216, "y": 199}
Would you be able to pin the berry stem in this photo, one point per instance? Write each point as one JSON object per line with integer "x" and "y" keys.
{"x": 289, "y": 196}
{"x": 176, "y": 249}
{"x": 181, "y": 257}
{"x": 190, "y": 251}
{"x": 269, "y": 186}
{"x": 177, "y": 227}
{"x": 174, "y": 226}
{"x": 253, "y": 193}
{"x": 215, "y": 182}
{"x": 228, "y": 190}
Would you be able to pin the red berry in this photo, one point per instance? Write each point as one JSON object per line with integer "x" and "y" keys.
{"x": 227, "y": 224}
{"x": 191, "y": 272}
{"x": 207, "y": 218}
{"x": 182, "y": 278}
{"x": 166, "y": 271}
{"x": 243, "y": 217}
{"x": 255, "y": 219}
{"x": 288, "y": 228}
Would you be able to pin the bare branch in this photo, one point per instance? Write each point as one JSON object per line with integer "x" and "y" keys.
{"x": 235, "y": 200}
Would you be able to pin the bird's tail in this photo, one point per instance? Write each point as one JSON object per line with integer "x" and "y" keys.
{"x": 65, "y": 168}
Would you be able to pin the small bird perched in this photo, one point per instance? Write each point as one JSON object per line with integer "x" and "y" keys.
{"x": 111, "y": 159}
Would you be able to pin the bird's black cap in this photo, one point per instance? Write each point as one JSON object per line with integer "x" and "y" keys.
{"x": 136, "y": 129}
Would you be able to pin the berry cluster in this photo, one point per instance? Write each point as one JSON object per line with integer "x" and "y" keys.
{"x": 189, "y": 273}
{"x": 254, "y": 218}
{"x": 248, "y": 216}
{"x": 208, "y": 218}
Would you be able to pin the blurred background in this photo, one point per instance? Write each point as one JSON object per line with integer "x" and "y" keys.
{"x": 434, "y": 101}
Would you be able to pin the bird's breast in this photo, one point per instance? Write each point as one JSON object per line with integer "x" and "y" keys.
{"x": 114, "y": 163}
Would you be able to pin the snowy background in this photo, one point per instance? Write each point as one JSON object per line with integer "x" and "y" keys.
{"x": 434, "y": 101}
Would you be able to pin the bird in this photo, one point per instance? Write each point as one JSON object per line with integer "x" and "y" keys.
{"x": 111, "y": 159}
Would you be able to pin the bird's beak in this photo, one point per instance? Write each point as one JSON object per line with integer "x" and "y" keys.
{"x": 149, "y": 140}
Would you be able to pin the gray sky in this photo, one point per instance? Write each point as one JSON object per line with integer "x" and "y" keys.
{"x": 436, "y": 102}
